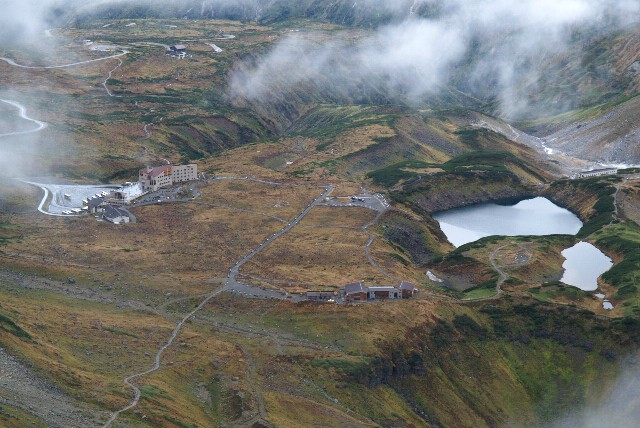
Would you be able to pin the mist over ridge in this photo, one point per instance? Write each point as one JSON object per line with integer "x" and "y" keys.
{"x": 497, "y": 51}
{"x": 500, "y": 52}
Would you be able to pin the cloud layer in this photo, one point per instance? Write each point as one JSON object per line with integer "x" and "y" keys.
{"x": 490, "y": 47}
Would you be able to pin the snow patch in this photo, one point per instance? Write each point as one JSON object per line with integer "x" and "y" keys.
{"x": 433, "y": 278}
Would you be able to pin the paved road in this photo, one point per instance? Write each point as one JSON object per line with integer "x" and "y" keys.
{"x": 15, "y": 64}
{"x": 58, "y": 204}
{"x": 375, "y": 202}
{"x": 23, "y": 114}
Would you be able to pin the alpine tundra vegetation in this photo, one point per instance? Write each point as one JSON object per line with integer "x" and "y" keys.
{"x": 297, "y": 213}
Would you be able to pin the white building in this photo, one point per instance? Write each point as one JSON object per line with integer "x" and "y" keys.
{"x": 182, "y": 173}
{"x": 597, "y": 172}
{"x": 125, "y": 194}
{"x": 152, "y": 179}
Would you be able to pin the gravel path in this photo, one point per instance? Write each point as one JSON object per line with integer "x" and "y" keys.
{"x": 367, "y": 248}
{"x": 229, "y": 286}
{"x": 109, "y": 77}
{"x": 503, "y": 275}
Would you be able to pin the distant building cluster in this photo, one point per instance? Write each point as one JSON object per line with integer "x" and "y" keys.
{"x": 358, "y": 292}
{"x": 111, "y": 204}
{"x": 106, "y": 204}
{"x": 597, "y": 173}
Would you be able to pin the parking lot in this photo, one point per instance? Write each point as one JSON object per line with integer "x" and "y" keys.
{"x": 372, "y": 201}
{"x": 75, "y": 194}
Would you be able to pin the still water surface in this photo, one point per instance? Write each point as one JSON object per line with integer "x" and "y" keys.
{"x": 537, "y": 216}
{"x": 584, "y": 264}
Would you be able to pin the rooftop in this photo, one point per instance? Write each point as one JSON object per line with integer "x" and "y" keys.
{"x": 95, "y": 202}
{"x": 383, "y": 288}
{"x": 406, "y": 286}
{"x": 114, "y": 212}
{"x": 355, "y": 287}
{"x": 157, "y": 170}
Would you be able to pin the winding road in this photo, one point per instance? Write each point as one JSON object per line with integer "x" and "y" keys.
{"x": 23, "y": 114}
{"x": 503, "y": 275}
{"x": 43, "y": 67}
{"x": 229, "y": 286}
{"x": 147, "y": 131}
{"x": 44, "y": 200}
{"x": 367, "y": 248}
{"x": 109, "y": 77}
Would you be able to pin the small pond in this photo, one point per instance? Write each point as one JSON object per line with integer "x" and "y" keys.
{"x": 583, "y": 265}
{"x": 537, "y": 216}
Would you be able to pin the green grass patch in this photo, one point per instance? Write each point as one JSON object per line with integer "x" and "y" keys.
{"x": 153, "y": 393}
{"x": 130, "y": 174}
{"x": 480, "y": 293}
{"x": 603, "y": 209}
{"x": 489, "y": 284}
{"x": 629, "y": 171}
{"x": 464, "y": 164}
{"x": 579, "y": 115}
{"x": 8, "y": 325}
{"x": 399, "y": 258}
{"x": 120, "y": 332}
{"x": 327, "y": 122}
{"x": 624, "y": 239}
{"x": 179, "y": 423}
{"x": 215, "y": 393}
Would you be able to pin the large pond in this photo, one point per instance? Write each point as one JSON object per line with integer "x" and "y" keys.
{"x": 583, "y": 265}
{"x": 537, "y": 216}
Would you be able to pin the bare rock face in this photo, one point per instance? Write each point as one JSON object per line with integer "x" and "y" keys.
{"x": 611, "y": 138}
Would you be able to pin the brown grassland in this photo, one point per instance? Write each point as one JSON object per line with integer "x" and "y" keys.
{"x": 84, "y": 303}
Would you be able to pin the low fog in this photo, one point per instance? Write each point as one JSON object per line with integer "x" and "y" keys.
{"x": 495, "y": 50}
{"x": 620, "y": 408}
{"x": 487, "y": 48}
{"x": 405, "y": 51}
{"x": 21, "y": 140}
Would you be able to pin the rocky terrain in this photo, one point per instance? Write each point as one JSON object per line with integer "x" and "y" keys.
{"x": 21, "y": 388}
{"x": 608, "y": 139}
